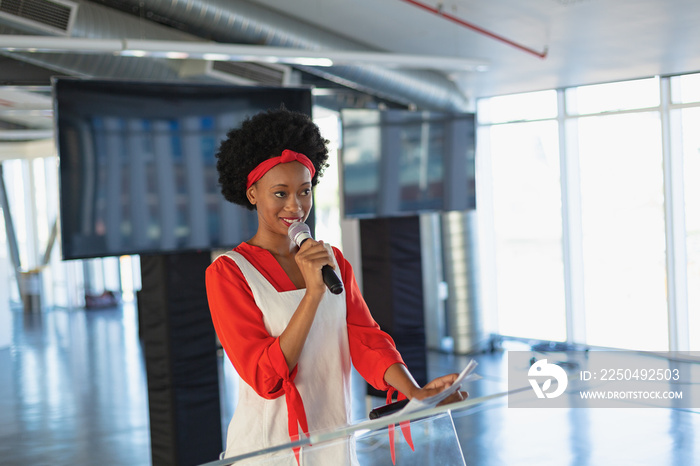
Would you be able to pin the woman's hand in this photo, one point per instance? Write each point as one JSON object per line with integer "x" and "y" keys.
{"x": 397, "y": 376}
{"x": 437, "y": 385}
{"x": 310, "y": 258}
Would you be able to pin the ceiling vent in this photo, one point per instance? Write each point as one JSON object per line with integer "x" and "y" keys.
{"x": 55, "y": 16}
{"x": 249, "y": 73}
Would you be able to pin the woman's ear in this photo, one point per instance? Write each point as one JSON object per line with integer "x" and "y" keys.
{"x": 250, "y": 194}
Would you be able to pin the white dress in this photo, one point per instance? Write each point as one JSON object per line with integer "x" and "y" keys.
{"x": 322, "y": 380}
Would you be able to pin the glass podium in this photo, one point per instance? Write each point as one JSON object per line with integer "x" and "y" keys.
{"x": 420, "y": 437}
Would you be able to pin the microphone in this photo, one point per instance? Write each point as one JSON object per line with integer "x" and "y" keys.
{"x": 385, "y": 410}
{"x": 300, "y": 232}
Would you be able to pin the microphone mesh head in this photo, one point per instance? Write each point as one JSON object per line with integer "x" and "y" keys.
{"x": 298, "y": 232}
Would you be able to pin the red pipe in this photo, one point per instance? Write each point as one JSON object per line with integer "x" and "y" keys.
{"x": 476, "y": 28}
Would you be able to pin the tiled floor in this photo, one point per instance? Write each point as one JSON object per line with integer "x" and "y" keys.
{"x": 73, "y": 392}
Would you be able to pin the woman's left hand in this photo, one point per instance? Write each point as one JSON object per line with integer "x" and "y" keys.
{"x": 439, "y": 384}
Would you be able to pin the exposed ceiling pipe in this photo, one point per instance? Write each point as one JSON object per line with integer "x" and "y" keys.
{"x": 244, "y": 22}
{"x": 95, "y": 21}
{"x": 233, "y": 21}
{"x": 204, "y": 50}
{"x": 25, "y": 135}
{"x": 479, "y": 29}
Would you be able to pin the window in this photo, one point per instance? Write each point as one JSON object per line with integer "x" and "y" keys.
{"x": 628, "y": 95}
{"x": 685, "y": 89}
{"x": 624, "y": 271}
{"x": 615, "y": 275}
{"x": 527, "y": 224}
{"x": 518, "y": 107}
{"x": 691, "y": 169}
{"x": 327, "y": 191}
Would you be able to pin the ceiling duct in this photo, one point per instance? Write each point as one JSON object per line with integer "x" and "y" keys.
{"x": 95, "y": 21}
{"x": 226, "y": 21}
{"x": 92, "y": 21}
{"x": 238, "y": 21}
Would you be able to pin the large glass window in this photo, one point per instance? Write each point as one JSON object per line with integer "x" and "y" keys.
{"x": 327, "y": 192}
{"x": 621, "y": 172}
{"x": 610, "y": 97}
{"x": 540, "y": 105}
{"x": 617, "y": 233}
{"x": 691, "y": 170}
{"x": 527, "y": 221}
{"x": 685, "y": 89}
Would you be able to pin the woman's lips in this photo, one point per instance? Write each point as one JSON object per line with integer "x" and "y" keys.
{"x": 290, "y": 221}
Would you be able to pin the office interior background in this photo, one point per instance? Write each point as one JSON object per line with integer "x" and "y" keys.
{"x": 587, "y": 225}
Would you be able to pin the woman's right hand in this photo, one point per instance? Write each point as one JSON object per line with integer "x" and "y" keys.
{"x": 311, "y": 258}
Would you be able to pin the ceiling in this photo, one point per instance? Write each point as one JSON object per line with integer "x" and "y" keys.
{"x": 526, "y": 45}
{"x": 586, "y": 41}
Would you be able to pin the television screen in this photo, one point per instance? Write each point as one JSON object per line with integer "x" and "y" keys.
{"x": 138, "y": 166}
{"x": 400, "y": 162}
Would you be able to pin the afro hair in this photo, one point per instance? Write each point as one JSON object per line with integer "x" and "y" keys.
{"x": 261, "y": 137}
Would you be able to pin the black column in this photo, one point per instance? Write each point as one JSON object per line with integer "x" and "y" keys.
{"x": 180, "y": 350}
{"x": 392, "y": 285}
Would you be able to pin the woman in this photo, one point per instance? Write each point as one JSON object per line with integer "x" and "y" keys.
{"x": 290, "y": 339}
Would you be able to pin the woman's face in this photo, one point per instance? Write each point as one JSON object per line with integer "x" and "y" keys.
{"x": 282, "y": 196}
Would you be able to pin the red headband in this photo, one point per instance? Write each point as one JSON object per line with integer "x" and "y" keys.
{"x": 286, "y": 157}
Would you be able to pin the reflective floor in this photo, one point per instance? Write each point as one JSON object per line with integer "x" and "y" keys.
{"x": 492, "y": 433}
{"x": 73, "y": 392}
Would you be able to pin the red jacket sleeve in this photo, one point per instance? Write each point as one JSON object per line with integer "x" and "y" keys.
{"x": 372, "y": 350}
{"x": 238, "y": 322}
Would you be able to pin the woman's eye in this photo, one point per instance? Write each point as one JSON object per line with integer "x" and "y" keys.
{"x": 306, "y": 192}
{"x": 280, "y": 194}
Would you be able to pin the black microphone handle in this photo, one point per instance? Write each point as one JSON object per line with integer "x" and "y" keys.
{"x": 330, "y": 278}
{"x": 385, "y": 410}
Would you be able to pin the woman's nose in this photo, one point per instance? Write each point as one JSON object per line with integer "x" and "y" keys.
{"x": 293, "y": 204}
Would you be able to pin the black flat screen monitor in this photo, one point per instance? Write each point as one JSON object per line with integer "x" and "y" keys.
{"x": 400, "y": 162}
{"x": 138, "y": 167}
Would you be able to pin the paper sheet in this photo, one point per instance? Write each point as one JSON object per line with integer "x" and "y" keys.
{"x": 432, "y": 401}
